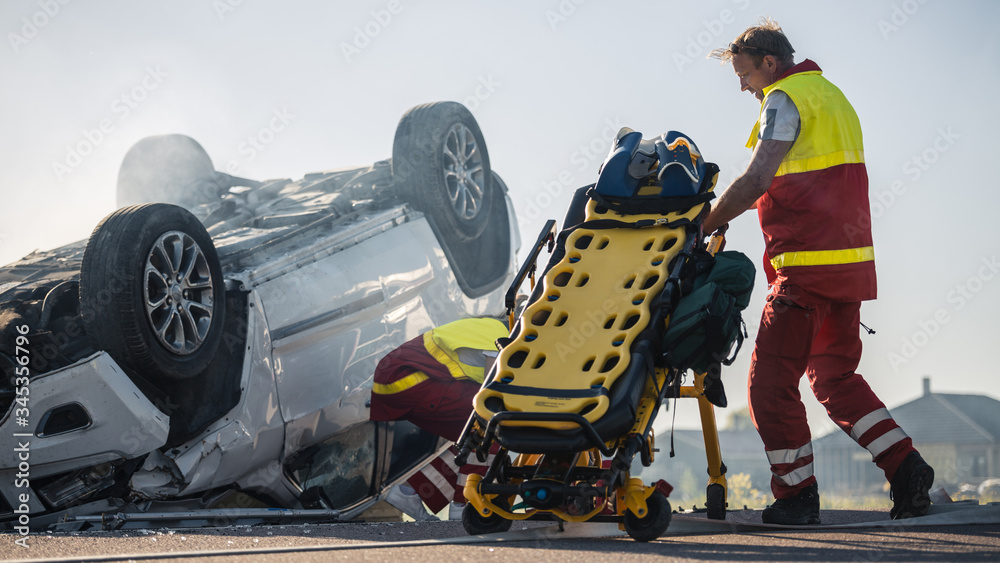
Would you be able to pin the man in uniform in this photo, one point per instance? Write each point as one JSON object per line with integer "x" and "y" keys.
{"x": 808, "y": 181}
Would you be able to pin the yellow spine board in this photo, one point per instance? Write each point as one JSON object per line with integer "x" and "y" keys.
{"x": 595, "y": 302}
{"x": 648, "y": 400}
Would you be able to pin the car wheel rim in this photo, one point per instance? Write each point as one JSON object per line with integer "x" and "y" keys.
{"x": 463, "y": 171}
{"x": 178, "y": 292}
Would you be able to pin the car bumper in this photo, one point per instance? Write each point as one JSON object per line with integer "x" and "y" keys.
{"x": 104, "y": 418}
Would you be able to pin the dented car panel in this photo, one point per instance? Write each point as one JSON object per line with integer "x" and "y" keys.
{"x": 250, "y": 435}
{"x": 113, "y": 419}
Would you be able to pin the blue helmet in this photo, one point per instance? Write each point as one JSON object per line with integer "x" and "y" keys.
{"x": 671, "y": 161}
{"x": 681, "y": 168}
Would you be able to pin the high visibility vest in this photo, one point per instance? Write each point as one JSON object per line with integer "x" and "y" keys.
{"x": 437, "y": 354}
{"x": 815, "y": 215}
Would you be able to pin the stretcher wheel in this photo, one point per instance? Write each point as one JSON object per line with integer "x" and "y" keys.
{"x": 653, "y": 524}
{"x": 476, "y": 524}
{"x": 715, "y": 501}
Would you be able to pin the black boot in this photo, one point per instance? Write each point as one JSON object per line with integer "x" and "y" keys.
{"x": 909, "y": 488}
{"x": 802, "y": 509}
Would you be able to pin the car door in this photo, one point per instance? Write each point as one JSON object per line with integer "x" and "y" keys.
{"x": 333, "y": 319}
{"x": 327, "y": 328}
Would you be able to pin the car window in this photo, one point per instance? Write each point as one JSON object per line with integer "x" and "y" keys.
{"x": 411, "y": 447}
{"x": 340, "y": 470}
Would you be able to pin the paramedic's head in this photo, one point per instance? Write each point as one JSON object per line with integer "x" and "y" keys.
{"x": 759, "y": 55}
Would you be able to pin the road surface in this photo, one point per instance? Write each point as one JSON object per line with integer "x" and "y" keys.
{"x": 690, "y": 538}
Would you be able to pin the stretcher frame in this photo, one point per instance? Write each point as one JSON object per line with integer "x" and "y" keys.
{"x": 599, "y": 472}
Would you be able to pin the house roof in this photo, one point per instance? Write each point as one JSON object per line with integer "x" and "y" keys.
{"x": 730, "y": 441}
{"x": 943, "y": 418}
{"x": 741, "y": 442}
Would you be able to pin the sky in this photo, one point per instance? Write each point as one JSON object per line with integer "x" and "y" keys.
{"x": 318, "y": 85}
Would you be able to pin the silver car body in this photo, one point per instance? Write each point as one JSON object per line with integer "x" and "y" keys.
{"x": 321, "y": 313}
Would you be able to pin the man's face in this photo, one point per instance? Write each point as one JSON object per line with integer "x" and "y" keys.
{"x": 752, "y": 78}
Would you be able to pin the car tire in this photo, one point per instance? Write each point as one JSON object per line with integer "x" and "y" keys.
{"x": 653, "y": 524}
{"x": 165, "y": 168}
{"x": 441, "y": 167}
{"x": 480, "y": 264}
{"x": 152, "y": 293}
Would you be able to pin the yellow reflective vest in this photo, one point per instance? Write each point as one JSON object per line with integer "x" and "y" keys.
{"x": 815, "y": 215}
{"x": 448, "y": 352}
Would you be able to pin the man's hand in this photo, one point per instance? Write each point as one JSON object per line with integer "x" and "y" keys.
{"x": 745, "y": 190}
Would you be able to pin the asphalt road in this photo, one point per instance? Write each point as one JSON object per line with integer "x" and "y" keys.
{"x": 430, "y": 542}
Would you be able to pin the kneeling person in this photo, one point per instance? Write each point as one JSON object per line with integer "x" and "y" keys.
{"x": 431, "y": 381}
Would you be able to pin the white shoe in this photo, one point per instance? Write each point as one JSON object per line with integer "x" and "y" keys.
{"x": 455, "y": 511}
{"x": 411, "y": 505}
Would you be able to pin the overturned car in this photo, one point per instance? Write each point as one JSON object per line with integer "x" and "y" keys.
{"x": 212, "y": 344}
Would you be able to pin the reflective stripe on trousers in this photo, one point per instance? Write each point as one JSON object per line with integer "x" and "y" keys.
{"x": 797, "y": 472}
{"x": 879, "y": 443}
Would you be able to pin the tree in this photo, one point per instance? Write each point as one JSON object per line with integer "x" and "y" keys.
{"x": 739, "y": 420}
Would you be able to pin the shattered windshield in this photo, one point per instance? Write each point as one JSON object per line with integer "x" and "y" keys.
{"x": 339, "y": 470}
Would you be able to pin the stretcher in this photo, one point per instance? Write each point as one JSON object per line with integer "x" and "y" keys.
{"x": 573, "y": 394}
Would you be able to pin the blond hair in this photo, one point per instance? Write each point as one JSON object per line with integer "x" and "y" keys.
{"x": 765, "y": 38}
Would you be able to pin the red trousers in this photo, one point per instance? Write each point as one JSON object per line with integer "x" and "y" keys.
{"x": 441, "y": 481}
{"x": 803, "y": 333}
{"x": 440, "y": 407}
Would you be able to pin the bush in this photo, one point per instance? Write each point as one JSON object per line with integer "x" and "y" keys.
{"x": 742, "y": 493}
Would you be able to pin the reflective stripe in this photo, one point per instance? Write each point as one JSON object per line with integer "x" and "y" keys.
{"x": 474, "y": 466}
{"x": 795, "y": 477}
{"x": 820, "y": 162}
{"x": 754, "y": 133}
{"x": 775, "y": 457}
{"x": 823, "y": 257}
{"x": 401, "y": 384}
{"x": 885, "y": 441}
{"x": 442, "y": 356}
{"x": 448, "y": 458}
{"x": 440, "y": 482}
{"x": 443, "y": 343}
{"x": 866, "y": 422}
